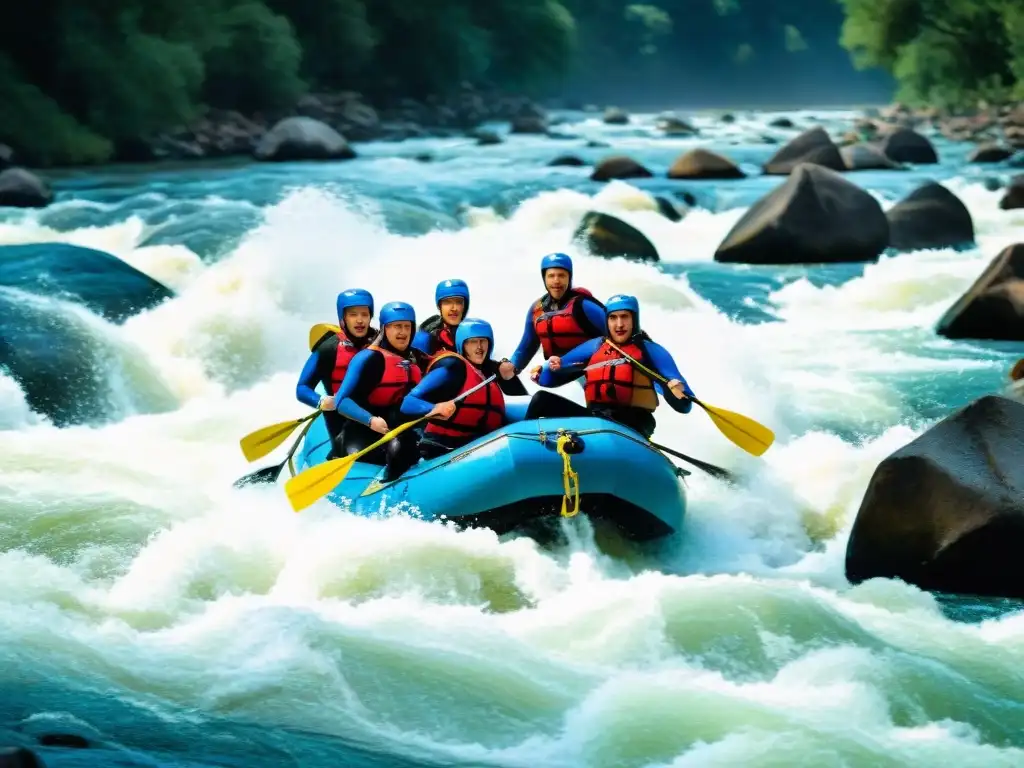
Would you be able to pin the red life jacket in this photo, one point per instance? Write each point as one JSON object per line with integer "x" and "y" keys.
{"x": 400, "y": 375}
{"x": 479, "y": 413}
{"x": 346, "y": 351}
{"x": 558, "y": 330}
{"x": 617, "y": 381}
{"x": 441, "y": 340}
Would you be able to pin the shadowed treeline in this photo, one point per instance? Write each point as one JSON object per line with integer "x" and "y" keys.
{"x": 85, "y": 82}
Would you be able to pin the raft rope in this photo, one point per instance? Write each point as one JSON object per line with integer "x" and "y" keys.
{"x": 570, "y": 480}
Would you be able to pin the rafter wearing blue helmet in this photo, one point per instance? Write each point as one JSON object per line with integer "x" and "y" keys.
{"x": 378, "y": 379}
{"x": 332, "y": 355}
{"x": 614, "y": 388}
{"x": 564, "y": 317}
{"x": 451, "y": 374}
{"x": 437, "y": 332}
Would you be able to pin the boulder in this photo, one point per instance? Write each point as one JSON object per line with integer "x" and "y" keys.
{"x": 990, "y": 153}
{"x": 528, "y": 124}
{"x": 668, "y": 209}
{"x": 606, "y": 235}
{"x": 23, "y": 189}
{"x": 302, "y": 138}
{"x": 569, "y": 161}
{"x": 903, "y": 145}
{"x": 946, "y": 511}
{"x": 867, "y": 157}
{"x": 815, "y": 217}
{"x": 993, "y": 307}
{"x": 781, "y": 122}
{"x": 486, "y": 138}
{"x": 811, "y": 146}
{"x": 615, "y": 116}
{"x": 619, "y": 167}
{"x": 929, "y": 217}
{"x": 103, "y": 283}
{"x": 671, "y": 125}
{"x": 1014, "y": 197}
{"x": 704, "y": 164}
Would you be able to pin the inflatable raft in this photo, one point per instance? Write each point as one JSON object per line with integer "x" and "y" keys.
{"x": 524, "y": 472}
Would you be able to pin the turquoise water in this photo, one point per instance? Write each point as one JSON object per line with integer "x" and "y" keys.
{"x": 173, "y": 620}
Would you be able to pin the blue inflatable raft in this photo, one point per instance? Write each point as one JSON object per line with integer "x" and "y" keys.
{"x": 524, "y": 472}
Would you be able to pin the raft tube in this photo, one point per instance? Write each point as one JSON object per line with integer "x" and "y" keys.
{"x": 515, "y": 476}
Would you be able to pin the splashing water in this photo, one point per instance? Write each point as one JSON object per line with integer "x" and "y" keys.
{"x": 166, "y": 616}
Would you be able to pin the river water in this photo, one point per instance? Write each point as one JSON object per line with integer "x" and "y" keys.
{"x": 171, "y": 619}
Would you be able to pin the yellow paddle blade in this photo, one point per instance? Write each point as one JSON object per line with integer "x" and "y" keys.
{"x": 751, "y": 436}
{"x": 320, "y": 330}
{"x": 309, "y": 485}
{"x": 258, "y": 444}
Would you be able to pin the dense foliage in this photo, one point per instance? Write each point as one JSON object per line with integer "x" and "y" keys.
{"x": 81, "y": 81}
{"x": 942, "y": 52}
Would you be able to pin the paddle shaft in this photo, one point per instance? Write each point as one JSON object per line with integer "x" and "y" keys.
{"x": 401, "y": 428}
{"x": 711, "y": 469}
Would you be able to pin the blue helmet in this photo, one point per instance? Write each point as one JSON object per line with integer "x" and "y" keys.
{"x": 452, "y": 289}
{"x": 354, "y": 297}
{"x": 474, "y": 328}
{"x": 556, "y": 261}
{"x": 623, "y": 302}
{"x": 396, "y": 312}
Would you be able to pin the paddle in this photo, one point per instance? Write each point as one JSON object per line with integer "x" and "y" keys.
{"x": 258, "y": 444}
{"x": 318, "y": 331}
{"x": 711, "y": 469}
{"x": 270, "y": 474}
{"x": 751, "y": 436}
{"x": 308, "y": 486}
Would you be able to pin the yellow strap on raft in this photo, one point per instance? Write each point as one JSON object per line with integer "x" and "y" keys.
{"x": 570, "y": 480}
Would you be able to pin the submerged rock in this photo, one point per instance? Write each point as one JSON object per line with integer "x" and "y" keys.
{"x": 704, "y": 164}
{"x": 20, "y": 188}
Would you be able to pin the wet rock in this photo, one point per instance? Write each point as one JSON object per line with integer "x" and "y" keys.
{"x": 20, "y": 757}
{"x": 993, "y": 307}
{"x": 619, "y": 167}
{"x": 990, "y": 153}
{"x": 529, "y": 124}
{"x": 867, "y": 157}
{"x": 20, "y": 188}
{"x": 567, "y": 161}
{"x": 615, "y": 116}
{"x": 811, "y": 146}
{"x": 486, "y": 138}
{"x": 302, "y": 138}
{"x": 66, "y": 740}
{"x": 671, "y": 125}
{"x": 815, "y": 217}
{"x": 728, "y": 118}
{"x": 781, "y": 122}
{"x": 904, "y": 145}
{"x": 946, "y": 511}
{"x": 929, "y": 217}
{"x": 704, "y": 164}
{"x": 609, "y": 236}
{"x": 1014, "y": 197}
{"x": 668, "y": 209}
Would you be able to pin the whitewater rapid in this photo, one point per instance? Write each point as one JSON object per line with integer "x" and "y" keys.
{"x": 129, "y": 565}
